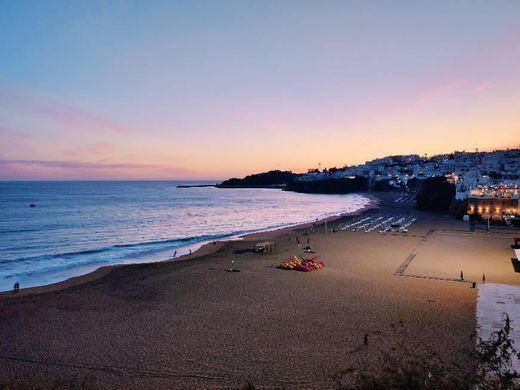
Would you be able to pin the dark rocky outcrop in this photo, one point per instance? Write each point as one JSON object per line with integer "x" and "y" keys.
{"x": 436, "y": 194}
{"x": 383, "y": 185}
{"x": 271, "y": 179}
{"x": 330, "y": 186}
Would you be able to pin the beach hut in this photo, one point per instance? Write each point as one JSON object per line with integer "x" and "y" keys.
{"x": 265, "y": 247}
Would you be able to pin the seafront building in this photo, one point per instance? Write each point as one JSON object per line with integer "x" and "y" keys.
{"x": 494, "y": 202}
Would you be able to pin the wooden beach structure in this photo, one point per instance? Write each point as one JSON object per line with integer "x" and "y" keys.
{"x": 265, "y": 247}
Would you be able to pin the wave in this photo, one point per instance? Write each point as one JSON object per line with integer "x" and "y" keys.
{"x": 114, "y": 254}
{"x": 36, "y": 268}
{"x": 56, "y": 262}
{"x": 174, "y": 240}
{"x": 19, "y": 231}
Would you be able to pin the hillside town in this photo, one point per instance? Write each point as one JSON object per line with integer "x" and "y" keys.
{"x": 486, "y": 182}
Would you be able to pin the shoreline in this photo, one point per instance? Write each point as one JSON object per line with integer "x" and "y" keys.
{"x": 192, "y": 324}
{"x": 204, "y": 248}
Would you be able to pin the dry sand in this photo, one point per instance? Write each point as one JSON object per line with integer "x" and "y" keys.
{"x": 192, "y": 324}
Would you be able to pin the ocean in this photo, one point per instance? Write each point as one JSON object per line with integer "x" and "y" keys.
{"x": 76, "y": 227}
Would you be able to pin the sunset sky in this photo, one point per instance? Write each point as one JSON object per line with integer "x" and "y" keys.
{"x": 213, "y": 89}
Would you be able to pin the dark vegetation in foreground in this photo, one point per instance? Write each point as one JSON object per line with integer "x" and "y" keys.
{"x": 487, "y": 367}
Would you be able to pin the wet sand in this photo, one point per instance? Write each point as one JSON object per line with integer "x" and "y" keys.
{"x": 192, "y": 324}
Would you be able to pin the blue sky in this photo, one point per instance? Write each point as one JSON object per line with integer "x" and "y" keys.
{"x": 220, "y": 88}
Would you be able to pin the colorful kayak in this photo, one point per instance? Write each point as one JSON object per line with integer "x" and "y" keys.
{"x": 300, "y": 264}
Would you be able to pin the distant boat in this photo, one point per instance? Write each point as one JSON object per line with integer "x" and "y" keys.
{"x": 32, "y": 205}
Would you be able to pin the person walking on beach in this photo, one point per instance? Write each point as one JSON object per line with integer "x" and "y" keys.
{"x": 483, "y": 278}
{"x": 16, "y": 287}
{"x": 174, "y": 254}
{"x": 461, "y": 275}
{"x": 190, "y": 251}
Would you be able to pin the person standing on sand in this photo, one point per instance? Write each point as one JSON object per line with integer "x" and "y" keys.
{"x": 483, "y": 278}
{"x": 190, "y": 251}
{"x": 16, "y": 287}
{"x": 461, "y": 275}
{"x": 174, "y": 254}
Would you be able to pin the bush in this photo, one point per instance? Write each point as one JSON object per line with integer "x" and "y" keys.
{"x": 403, "y": 367}
{"x": 495, "y": 357}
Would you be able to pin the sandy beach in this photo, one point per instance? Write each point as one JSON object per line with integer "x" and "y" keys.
{"x": 192, "y": 324}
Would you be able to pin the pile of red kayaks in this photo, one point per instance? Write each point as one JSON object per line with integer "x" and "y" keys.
{"x": 300, "y": 264}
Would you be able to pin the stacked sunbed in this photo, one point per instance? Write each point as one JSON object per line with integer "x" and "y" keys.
{"x": 300, "y": 264}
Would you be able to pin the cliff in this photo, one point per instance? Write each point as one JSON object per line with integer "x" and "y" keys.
{"x": 329, "y": 186}
{"x": 271, "y": 179}
{"x": 436, "y": 194}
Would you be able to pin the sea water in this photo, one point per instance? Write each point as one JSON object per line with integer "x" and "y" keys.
{"x": 76, "y": 227}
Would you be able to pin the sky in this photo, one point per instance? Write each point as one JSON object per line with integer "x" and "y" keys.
{"x": 216, "y": 89}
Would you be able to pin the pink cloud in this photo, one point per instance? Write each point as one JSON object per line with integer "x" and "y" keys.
{"x": 12, "y": 141}
{"x": 66, "y": 170}
{"x": 60, "y": 113}
{"x": 478, "y": 72}
{"x": 93, "y": 149}
{"x": 484, "y": 86}
{"x": 436, "y": 92}
{"x": 439, "y": 92}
